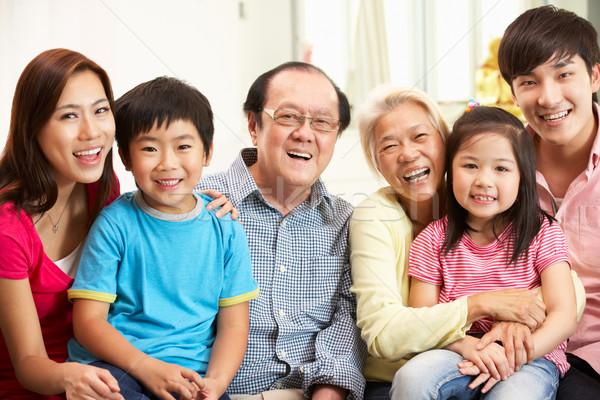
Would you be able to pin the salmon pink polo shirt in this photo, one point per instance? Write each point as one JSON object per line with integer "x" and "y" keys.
{"x": 579, "y": 216}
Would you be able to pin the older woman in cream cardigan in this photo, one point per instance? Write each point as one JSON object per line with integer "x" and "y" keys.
{"x": 403, "y": 137}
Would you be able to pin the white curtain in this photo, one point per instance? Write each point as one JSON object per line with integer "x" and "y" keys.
{"x": 369, "y": 61}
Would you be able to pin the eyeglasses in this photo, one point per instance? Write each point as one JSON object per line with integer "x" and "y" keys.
{"x": 292, "y": 118}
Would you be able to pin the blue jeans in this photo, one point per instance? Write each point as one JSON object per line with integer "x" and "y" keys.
{"x": 434, "y": 375}
{"x": 131, "y": 389}
{"x": 377, "y": 391}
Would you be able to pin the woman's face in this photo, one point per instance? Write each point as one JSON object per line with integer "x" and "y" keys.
{"x": 410, "y": 152}
{"x": 80, "y": 133}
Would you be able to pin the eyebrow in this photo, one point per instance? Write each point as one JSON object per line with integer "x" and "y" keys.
{"x": 79, "y": 106}
{"x": 469, "y": 157}
{"x": 558, "y": 65}
{"x": 411, "y": 129}
{"x": 144, "y": 137}
{"x": 324, "y": 111}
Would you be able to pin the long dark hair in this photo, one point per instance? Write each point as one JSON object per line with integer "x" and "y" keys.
{"x": 25, "y": 174}
{"x": 525, "y": 214}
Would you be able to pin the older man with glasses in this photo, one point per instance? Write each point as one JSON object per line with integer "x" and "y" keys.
{"x": 303, "y": 338}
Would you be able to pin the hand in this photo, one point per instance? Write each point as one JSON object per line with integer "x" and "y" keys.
{"x": 211, "y": 390}
{"x": 490, "y": 360}
{"x": 329, "y": 392}
{"x": 517, "y": 342}
{"x": 163, "y": 379}
{"x": 85, "y": 381}
{"x": 219, "y": 200}
{"x": 517, "y": 305}
{"x": 469, "y": 368}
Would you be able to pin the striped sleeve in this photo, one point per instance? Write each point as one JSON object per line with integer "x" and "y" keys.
{"x": 424, "y": 259}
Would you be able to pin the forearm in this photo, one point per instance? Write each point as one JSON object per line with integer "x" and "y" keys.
{"x": 226, "y": 356}
{"x": 557, "y": 327}
{"x": 516, "y": 305}
{"x": 41, "y": 375}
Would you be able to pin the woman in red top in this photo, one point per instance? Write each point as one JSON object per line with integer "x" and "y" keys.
{"x": 56, "y": 174}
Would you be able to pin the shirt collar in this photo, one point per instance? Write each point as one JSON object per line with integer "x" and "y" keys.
{"x": 243, "y": 185}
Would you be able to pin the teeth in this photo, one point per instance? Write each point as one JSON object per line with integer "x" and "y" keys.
{"x": 554, "y": 117}
{"x": 170, "y": 182}
{"x": 88, "y": 152}
{"x": 415, "y": 172}
{"x": 483, "y": 198}
{"x": 306, "y": 156}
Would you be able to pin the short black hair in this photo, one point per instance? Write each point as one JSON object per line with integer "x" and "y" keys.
{"x": 162, "y": 100}
{"x": 257, "y": 95}
{"x": 544, "y": 33}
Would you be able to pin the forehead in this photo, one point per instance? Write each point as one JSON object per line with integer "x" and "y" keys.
{"x": 403, "y": 119}
{"x": 302, "y": 90}
{"x": 489, "y": 143}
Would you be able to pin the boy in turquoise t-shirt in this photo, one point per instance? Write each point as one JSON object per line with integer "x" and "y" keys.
{"x": 161, "y": 295}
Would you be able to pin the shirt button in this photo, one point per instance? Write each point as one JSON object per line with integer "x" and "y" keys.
{"x": 283, "y": 354}
{"x": 558, "y": 221}
{"x": 281, "y": 313}
{"x": 278, "y": 385}
{"x": 302, "y": 368}
{"x": 282, "y": 269}
{"x": 283, "y": 223}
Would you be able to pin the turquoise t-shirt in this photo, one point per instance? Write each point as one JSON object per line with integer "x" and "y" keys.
{"x": 165, "y": 275}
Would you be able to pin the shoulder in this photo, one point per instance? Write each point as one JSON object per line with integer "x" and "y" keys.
{"x": 13, "y": 222}
{"x": 382, "y": 205}
{"x": 217, "y": 181}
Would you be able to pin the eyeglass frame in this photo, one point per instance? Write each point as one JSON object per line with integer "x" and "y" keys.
{"x": 271, "y": 113}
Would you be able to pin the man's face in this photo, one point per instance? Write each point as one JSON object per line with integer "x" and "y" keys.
{"x": 556, "y": 100}
{"x": 293, "y": 157}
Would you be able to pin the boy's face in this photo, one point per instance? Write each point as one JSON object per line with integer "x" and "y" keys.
{"x": 556, "y": 100}
{"x": 167, "y": 164}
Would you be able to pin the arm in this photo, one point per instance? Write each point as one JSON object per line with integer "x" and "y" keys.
{"x": 228, "y": 349}
{"x": 93, "y": 331}
{"x": 34, "y": 370}
{"x": 380, "y": 239}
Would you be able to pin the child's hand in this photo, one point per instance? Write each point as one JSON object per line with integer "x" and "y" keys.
{"x": 469, "y": 368}
{"x": 489, "y": 360}
{"x": 85, "y": 382}
{"x": 516, "y": 340}
{"x": 211, "y": 390}
{"x": 163, "y": 379}
{"x": 219, "y": 200}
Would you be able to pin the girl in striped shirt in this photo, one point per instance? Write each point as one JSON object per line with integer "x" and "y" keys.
{"x": 494, "y": 236}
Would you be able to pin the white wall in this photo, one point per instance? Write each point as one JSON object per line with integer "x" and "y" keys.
{"x": 207, "y": 43}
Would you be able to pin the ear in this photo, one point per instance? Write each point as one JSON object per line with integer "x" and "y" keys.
{"x": 252, "y": 126}
{"x": 209, "y": 156}
{"x": 512, "y": 95}
{"x": 125, "y": 160}
{"x": 595, "y": 78}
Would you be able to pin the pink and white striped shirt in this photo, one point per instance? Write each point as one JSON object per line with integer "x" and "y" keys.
{"x": 471, "y": 268}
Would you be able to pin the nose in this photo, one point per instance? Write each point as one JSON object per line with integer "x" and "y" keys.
{"x": 409, "y": 153}
{"x": 483, "y": 178}
{"x": 168, "y": 161}
{"x": 304, "y": 132}
{"x": 550, "y": 94}
{"x": 88, "y": 128}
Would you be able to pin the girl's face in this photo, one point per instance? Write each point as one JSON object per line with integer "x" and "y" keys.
{"x": 410, "y": 152}
{"x": 80, "y": 133}
{"x": 485, "y": 177}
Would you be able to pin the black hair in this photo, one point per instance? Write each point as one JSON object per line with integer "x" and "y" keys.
{"x": 525, "y": 214}
{"x": 543, "y": 34}
{"x": 161, "y": 100}
{"x": 257, "y": 95}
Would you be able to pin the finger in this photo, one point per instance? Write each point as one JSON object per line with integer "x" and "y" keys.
{"x": 107, "y": 378}
{"x": 479, "y": 380}
{"x": 234, "y": 214}
{"x": 491, "y": 367}
{"x": 194, "y": 378}
{"x": 488, "y": 385}
{"x": 225, "y": 208}
{"x": 486, "y": 339}
{"x": 468, "y": 368}
{"x": 480, "y": 364}
{"x": 509, "y": 350}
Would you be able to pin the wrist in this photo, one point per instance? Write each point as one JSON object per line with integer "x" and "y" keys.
{"x": 478, "y": 307}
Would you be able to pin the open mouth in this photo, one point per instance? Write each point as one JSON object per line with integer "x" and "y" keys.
{"x": 417, "y": 175}
{"x": 88, "y": 154}
{"x": 556, "y": 117}
{"x": 484, "y": 198}
{"x": 302, "y": 156}
{"x": 168, "y": 182}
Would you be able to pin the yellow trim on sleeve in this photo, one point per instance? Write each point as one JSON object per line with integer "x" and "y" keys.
{"x": 90, "y": 295}
{"x": 239, "y": 299}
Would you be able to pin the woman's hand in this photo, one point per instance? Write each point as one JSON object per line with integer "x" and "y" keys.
{"x": 163, "y": 379}
{"x": 219, "y": 200}
{"x": 516, "y": 305}
{"x": 88, "y": 382}
{"x": 517, "y": 342}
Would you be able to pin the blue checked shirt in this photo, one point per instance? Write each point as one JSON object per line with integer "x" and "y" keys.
{"x": 302, "y": 325}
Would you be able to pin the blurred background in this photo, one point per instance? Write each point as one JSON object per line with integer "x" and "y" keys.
{"x": 445, "y": 48}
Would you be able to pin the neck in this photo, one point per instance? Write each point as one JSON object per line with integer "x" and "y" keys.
{"x": 422, "y": 212}
{"x": 279, "y": 194}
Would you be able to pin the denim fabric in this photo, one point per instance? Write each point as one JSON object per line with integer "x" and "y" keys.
{"x": 377, "y": 391}
{"x": 434, "y": 375}
{"x": 131, "y": 389}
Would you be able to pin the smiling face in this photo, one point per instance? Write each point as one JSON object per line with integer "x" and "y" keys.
{"x": 292, "y": 158}
{"x": 556, "y": 100}
{"x": 80, "y": 133}
{"x": 485, "y": 178}
{"x": 409, "y": 152}
{"x": 167, "y": 164}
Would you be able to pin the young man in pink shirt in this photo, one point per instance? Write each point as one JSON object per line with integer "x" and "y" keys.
{"x": 550, "y": 58}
